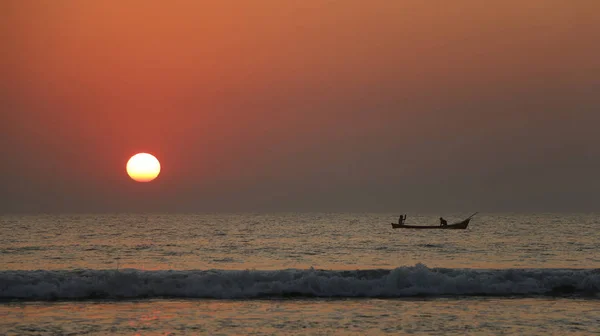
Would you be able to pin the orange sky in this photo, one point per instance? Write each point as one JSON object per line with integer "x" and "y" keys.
{"x": 314, "y": 105}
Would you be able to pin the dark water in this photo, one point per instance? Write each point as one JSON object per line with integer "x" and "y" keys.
{"x": 298, "y": 274}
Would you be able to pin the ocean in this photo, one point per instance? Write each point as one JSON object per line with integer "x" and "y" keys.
{"x": 298, "y": 274}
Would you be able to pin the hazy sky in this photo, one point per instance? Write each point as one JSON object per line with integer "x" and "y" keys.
{"x": 270, "y": 105}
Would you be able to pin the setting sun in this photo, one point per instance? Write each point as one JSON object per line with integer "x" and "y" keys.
{"x": 143, "y": 167}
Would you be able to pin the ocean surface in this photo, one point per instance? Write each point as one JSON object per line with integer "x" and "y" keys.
{"x": 296, "y": 273}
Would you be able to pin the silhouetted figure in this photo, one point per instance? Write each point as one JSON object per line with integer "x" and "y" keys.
{"x": 401, "y": 220}
{"x": 443, "y": 222}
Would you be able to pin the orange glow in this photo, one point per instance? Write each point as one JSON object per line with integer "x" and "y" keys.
{"x": 143, "y": 167}
{"x": 297, "y": 104}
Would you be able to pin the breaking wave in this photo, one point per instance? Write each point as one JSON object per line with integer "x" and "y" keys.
{"x": 408, "y": 281}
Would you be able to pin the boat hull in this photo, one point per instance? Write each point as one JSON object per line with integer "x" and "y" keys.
{"x": 456, "y": 226}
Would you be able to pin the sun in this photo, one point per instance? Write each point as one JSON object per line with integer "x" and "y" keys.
{"x": 143, "y": 167}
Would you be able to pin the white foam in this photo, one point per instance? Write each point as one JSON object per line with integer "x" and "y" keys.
{"x": 221, "y": 284}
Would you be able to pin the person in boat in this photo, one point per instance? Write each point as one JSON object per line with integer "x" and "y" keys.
{"x": 443, "y": 222}
{"x": 401, "y": 219}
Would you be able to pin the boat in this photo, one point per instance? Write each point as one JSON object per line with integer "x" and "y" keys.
{"x": 455, "y": 226}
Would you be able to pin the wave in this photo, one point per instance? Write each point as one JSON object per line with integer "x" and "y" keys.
{"x": 406, "y": 281}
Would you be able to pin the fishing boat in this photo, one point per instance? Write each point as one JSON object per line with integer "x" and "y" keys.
{"x": 455, "y": 226}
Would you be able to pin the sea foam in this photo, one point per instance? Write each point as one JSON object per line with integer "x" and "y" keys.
{"x": 406, "y": 281}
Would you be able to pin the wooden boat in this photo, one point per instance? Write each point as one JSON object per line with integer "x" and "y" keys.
{"x": 455, "y": 226}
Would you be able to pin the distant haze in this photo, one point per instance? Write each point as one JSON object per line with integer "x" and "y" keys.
{"x": 270, "y": 105}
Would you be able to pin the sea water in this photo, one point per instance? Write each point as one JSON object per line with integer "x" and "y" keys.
{"x": 264, "y": 274}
